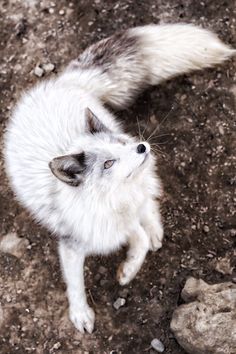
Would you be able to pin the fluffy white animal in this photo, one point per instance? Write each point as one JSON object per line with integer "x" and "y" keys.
{"x": 72, "y": 166}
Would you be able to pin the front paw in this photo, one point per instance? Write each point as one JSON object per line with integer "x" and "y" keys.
{"x": 156, "y": 237}
{"x": 83, "y": 318}
{"x": 126, "y": 272}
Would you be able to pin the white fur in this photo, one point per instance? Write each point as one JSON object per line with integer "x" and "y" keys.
{"x": 112, "y": 207}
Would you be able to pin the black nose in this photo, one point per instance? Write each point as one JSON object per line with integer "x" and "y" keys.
{"x": 141, "y": 148}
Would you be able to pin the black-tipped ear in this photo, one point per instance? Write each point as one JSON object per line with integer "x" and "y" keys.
{"x": 93, "y": 123}
{"x": 69, "y": 168}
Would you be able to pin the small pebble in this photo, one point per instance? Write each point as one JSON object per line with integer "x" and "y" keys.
{"x": 48, "y": 67}
{"x": 57, "y": 345}
{"x": 123, "y": 293}
{"x": 61, "y": 12}
{"x": 13, "y": 244}
{"x": 76, "y": 342}
{"x": 102, "y": 270}
{"x": 206, "y": 229}
{"x": 38, "y": 71}
{"x": 233, "y": 232}
{"x": 103, "y": 282}
{"x": 223, "y": 265}
{"x": 119, "y": 303}
{"x": 221, "y": 130}
{"x": 8, "y": 298}
{"x": 97, "y": 277}
{"x": 157, "y": 345}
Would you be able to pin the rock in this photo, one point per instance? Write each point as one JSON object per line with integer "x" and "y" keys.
{"x": 123, "y": 293}
{"x": 13, "y": 244}
{"x": 233, "y": 232}
{"x": 49, "y": 67}
{"x": 157, "y": 345}
{"x": 223, "y": 266}
{"x": 57, "y": 346}
{"x": 221, "y": 129}
{"x": 192, "y": 289}
{"x": 119, "y": 303}
{"x": 38, "y": 71}
{"x": 21, "y": 27}
{"x": 206, "y": 325}
{"x": 102, "y": 270}
{"x": 206, "y": 229}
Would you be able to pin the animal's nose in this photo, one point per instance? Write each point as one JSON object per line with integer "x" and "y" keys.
{"x": 141, "y": 148}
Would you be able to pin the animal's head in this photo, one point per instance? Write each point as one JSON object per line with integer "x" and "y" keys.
{"x": 102, "y": 158}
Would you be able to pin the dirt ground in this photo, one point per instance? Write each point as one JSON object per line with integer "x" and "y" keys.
{"x": 196, "y": 161}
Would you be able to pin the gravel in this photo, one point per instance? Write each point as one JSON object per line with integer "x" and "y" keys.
{"x": 49, "y": 67}
{"x": 119, "y": 303}
{"x": 38, "y": 71}
{"x": 157, "y": 345}
{"x": 14, "y": 245}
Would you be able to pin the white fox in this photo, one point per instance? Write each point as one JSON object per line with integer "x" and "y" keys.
{"x": 72, "y": 166}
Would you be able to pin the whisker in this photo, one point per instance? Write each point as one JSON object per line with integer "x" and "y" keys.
{"x": 161, "y": 123}
{"x": 158, "y": 136}
{"x": 161, "y": 143}
{"x": 139, "y": 131}
{"x": 144, "y": 131}
{"x": 157, "y": 150}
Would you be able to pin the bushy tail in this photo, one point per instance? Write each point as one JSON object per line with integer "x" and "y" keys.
{"x": 117, "y": 68}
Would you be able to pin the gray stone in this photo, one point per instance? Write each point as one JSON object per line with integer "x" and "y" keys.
{"x": 206, "y": 229}
{"x": 102, "y": 270}
{"x": 48, "y": 67}
{"x": 223, "y": 265}
{"x": 206, "y": 325}
{"x": 38, "y": 71}
{"x": 13, "y": 244}
{"x": 57, "y": 346}
{"x": 119, "y": 303}
{"x": 233, "y": 232}
{"x": 157, "y": 345}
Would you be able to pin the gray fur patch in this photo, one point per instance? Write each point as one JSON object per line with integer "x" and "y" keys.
{"x": 105, "y": 53}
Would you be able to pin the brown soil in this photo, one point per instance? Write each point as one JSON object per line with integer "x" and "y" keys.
{"x": 196, "y": 157}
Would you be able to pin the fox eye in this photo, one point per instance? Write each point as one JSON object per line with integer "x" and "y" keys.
{"x": 108, "y": 164}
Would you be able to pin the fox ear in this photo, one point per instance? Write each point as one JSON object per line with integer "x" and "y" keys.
{"x": 93, "y": 123}
{"x": 69, "y": 168}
